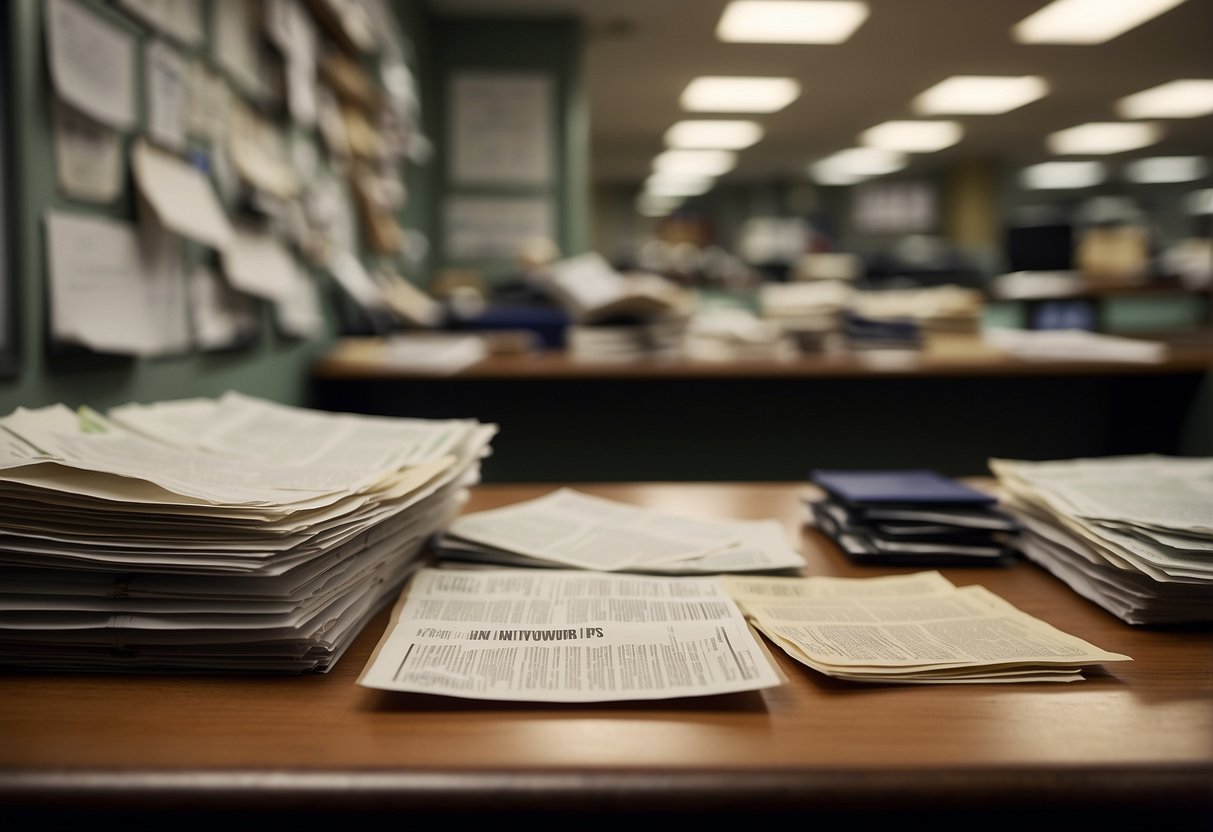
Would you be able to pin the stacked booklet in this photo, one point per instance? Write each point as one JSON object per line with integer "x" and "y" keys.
{"x": 910, "y": 629}
{"x": 572, "y": 530}
{"x": 911, "y": 516}
{"x": 1133, "y": 534}
{"x": 214, "y": 535}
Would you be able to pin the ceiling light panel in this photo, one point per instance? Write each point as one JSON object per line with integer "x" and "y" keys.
{"x": 1061, "y": 175}
{"x": 1101, "y": 137}
{"x": 721, "y": 134}
{"x": 694, "y": 162}
{"x": 980, "y": 95}
{"x": 790, "y": 21}
{"x": 1185, "y": 98}
{"x": 913, "y": 136}
{"x": 664, "y": 185}
{"x": 1087, "y": 21}
{"x": 1161, "y": 169}
{"x": 846, "y": 167}
{"x": 734, "y": 94}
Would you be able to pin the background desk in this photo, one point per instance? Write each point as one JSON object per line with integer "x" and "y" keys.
{"x": 565, "y": 420}
{"x": 1128, "y": 750}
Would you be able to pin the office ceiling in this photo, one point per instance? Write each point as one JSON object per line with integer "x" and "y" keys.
{"x": 642, "y": 53}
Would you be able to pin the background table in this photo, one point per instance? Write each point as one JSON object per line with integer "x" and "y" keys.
{"x": 1126, "y": 748}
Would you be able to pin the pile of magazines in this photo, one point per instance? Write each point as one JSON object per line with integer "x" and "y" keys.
{"x": 214, "y": 535}
{"x": 1134, "y": 534}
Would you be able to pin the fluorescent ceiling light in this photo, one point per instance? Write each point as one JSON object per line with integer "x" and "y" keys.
{"x": 790, "y": 21}
{"x": 1159, "y": 169}
{"x": 732, "y": 94}
{"x": 846, "y": 167}
{"x": 695, "y": 162}
{"x": 664, "y": 185}
{"x": 980, "y": 94}
{"x": 724, "y": 135}
{"x": 1087, "y": 21}
{"x": 1186, "y": 98}
{"x": 913, "y": 136}
{"x": 1098, "y": 137}
{"x": 1062, "y": 175}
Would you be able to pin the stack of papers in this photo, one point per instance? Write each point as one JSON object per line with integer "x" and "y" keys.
{"x": 1075, "y": 345}
{"x": 567, "y": 636}
{"x": 224, "y": 535}
{"x": 1134, "y": 534}
{"x": 568, "y": 529}
{"x": 658, "y": 339}
{"x": 910, "y": 629}
{"x": 911, "y": 516}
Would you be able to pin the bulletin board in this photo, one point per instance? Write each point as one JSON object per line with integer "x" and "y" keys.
{"x": 223, "y": 163}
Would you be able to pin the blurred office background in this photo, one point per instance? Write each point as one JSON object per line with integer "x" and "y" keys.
{"x": 429, "y": 165}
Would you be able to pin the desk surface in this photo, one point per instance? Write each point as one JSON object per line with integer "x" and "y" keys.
{"x": 947, "y": 356}
{"x": 1139, "y": 738}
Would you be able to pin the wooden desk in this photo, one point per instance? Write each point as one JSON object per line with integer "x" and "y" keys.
{"x": 1118, "y": 751}
{"x": 952, "y": 408}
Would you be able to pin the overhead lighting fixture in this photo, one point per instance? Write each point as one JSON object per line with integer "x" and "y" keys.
{"x": 980, "y": 94}
{"x": 666, "y": 185}
{"x": 1185, "y": 98}
{"x": 695, "y": 162}
{"x": 1087, "y": 21}
{"x": 1101, "y": 137}
{"x": 735, "y": 94}
{"x": 722, "y": 135}
{"x": 846, "y": 167}
{"x": 912, "y": 136}
{"x": 790, "y": 21}
{"x": 1160, "y": 169}
{"x": 1061, "y": 175}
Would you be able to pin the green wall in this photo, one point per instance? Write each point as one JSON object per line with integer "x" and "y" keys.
{"x": 273, "y": 366}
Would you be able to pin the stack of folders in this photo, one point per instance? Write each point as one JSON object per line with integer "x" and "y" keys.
{"x": 1133, "y": 534}
{"x": 569, "y": 529}
{"x": 911, "y": 516}
{"x": 214, "y": 535}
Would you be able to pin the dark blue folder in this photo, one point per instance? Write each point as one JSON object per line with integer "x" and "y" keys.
{"x": 901, "y": 487}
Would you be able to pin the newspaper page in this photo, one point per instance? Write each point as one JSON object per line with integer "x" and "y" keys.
{"x": 567, "y": 636}
{"x": 911, "y": 629}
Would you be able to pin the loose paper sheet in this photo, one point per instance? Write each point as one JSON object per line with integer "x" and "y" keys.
{"x": 166, "y": 74}
{"x": 115, "y": 288}
{"x": 494, "y": 226}
{"x": 92, "y": 63}
{"x": 235, "y": 42}
{"x": 557, "y": 636}
{"x": 181, "y": 19}
{"x": 221, "y": 316}
{"x": 180, "y": 195}
{"x": 89, "y": 162}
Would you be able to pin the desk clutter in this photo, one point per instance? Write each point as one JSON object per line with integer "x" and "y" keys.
{"x": 214, "y": 535}
{"x": 911, "y": 517}
{"x": 1133, "y": 534}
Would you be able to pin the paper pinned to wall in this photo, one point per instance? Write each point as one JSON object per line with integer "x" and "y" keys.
{"x": 114, "y": 287}
{"x": 166, "y": 75}
{"x": 259, "y": 264}
{"x": 180, "y": 19}
{"x": 495, "y": 226}
{"x": 502, "y": 128}
{"x": 89, "y": 164}
{"x": 181, "y": 196}
{"x": 236, "y": 44}
{"x": 221, "y": 317}
{"x": 92, "y": 63}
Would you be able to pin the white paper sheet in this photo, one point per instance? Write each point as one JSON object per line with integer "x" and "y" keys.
{"x": 235, "y": 42}
{"x": 554, "y": 636}
{"x": 502, "y": 128}
{"x": 114, "y": 288}
{"x": 493, "y": 226}
{"x": 180, "y": 19}
{"x": 166, "y": 75}
{"x": 290, "y": 27}
{"x": 221, "y": 317}
{"x": 207, "y": 103}
{"x": 258, "y": 263}
{"x": 89, "y": 163}
{"x": 92, "y": 63}
{"x": 181, "y": 197}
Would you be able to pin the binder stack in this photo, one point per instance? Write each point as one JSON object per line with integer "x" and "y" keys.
{"x": 911, "y": 516}
{"x": 214, "y": 535}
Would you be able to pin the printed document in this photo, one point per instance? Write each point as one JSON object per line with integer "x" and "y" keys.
{"x": 566, "y": 636}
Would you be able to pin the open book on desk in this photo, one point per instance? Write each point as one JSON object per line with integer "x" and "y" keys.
{"x": 592, "y": 291}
